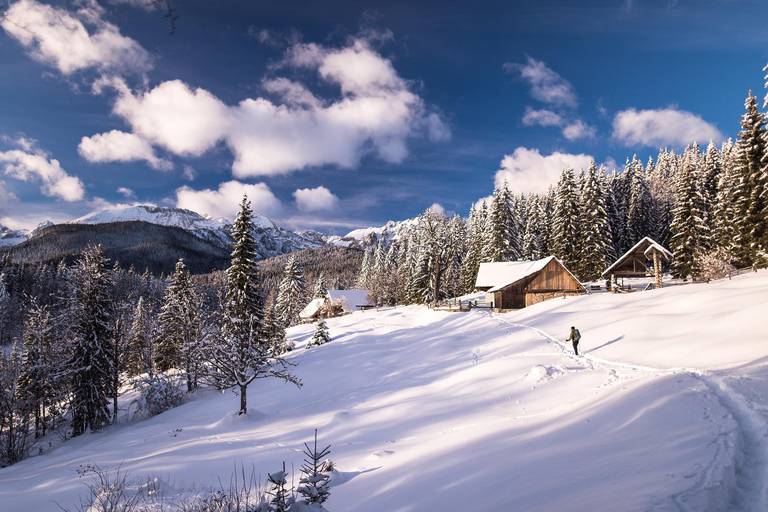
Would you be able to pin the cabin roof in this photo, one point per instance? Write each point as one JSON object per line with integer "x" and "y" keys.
{"x": 499, "y": 275}
{"x": 312, "y": 308}
{"x": 646, "y": 247}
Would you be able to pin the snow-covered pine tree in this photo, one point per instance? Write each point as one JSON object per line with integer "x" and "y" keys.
{"x": 474, "y": 250}
{"x": 38, "y": 365}
{"x": 724, "y": 220}
{"x": 639, "y": 207}
{"x": 320, "y": 336}
{"x": 501, "y": 227}
{"x": 752, "y": 227}
{"x": 89, "y": 365}
{"x": 314, "y": 485}
{"x": 14, "y": 414}
{"x": 709, "y": 176}
{"x": 688, "y": 225}
{"x": 533, "y": 246}
{"x": 180, "y": 333}
{"x": 240, "y": 353}
{"x": 457, "y": 233}
{"x": 292, "y": 295}
{"x": 434, "y": 255}
{"x": 566, "y": 235}
{"x": 321, "y": 290}
{"x": 282, "y": 500}
{"x": 274, "y": 332}
{"x": 141, "y": 352}
{"x": 365, "y": 270}
{"x": 594, "y": 225}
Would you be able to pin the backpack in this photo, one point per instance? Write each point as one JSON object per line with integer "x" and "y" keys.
{"x": 578, "y": 336}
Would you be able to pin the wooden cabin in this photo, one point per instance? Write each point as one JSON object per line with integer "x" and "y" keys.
{"x": 635, "y": 262}
{"x": 519, "y": 284}
{"x": 335, "y": 303}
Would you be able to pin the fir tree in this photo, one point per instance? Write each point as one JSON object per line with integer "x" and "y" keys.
{"x": 240, "y": 353}
{"x": 320, "y": 336}
{"x": 321, "y": 290}
{"x": 594, "y": 224}
{"x": 89, "y": 365}
{"x": 751, "y": 204}
{"x": 291, "y": 297}
{"x": 141, "y": 354}
{"x": 688, "y": 223}
{"x": 314, "y": 485}
{"x": 566, "y": 232}
{"x": 38, "y": 359}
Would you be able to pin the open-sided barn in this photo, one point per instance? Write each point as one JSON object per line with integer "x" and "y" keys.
{"x": 518, "y": 284}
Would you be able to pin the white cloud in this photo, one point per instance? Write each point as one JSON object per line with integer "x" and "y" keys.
{"x": 6, "y": 196}
{"x": 36, "y": 166}
{"x": 437, "y": 209}
{"x": 189, "y": 173}
{"x": 225, "y": 202}
{"x": 376, "y": 114}
{"x": 541, "y": 117}
{"x": 128, "y": 193}
{"x": 528, "y": 171}
{"x": 315, "y": 199}
{"x": 578, "y": 129}
{"x": 117, "y": 146}
{"x": 546, "y": 85}
{"x": 662, "y": 127}
{"x": 72, "y": 42}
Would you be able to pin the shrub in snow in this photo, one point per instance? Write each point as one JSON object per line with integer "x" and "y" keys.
{"x": 715, "y": 264}
{"x": 282, "y": 499}
{"x": 157, "y": 393}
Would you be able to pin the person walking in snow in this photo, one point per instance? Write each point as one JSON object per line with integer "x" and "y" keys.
{"x": 575, "y": 337}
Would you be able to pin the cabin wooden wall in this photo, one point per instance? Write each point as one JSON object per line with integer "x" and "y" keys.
{"x": 553, "y": 278}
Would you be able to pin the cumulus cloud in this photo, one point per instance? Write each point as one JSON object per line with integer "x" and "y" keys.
{"x": 315, "y": 199}
{"x": 38, "y": 167}
{"x": 128, "y": 193}
{"x": 117, "y": 146}
{"x": 546, "y": 85}
{"x": 437, "y": 209}
{"x": 528, "y": 171}
{"x": 73, "y": 41}
{"x": 662, "y": 127}
{"x": 376, "y": 114}
{"x": 578, "y": 129}
{"x": 225, "y": 202}
{"x": 541, "y": 117}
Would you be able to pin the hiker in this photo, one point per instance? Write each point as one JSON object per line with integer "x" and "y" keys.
{"x": 575, "y": 337}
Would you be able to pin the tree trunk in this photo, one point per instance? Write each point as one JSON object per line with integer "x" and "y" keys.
{"x": 438, "y": 274}
{"x": 243, "y": 400}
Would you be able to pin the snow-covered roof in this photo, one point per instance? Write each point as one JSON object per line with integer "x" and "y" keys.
{"x": 644, "y": 246}
{"x": 312, "y": 308}
{"x": 352, "y": 298}
{"x": 497, "y": 275}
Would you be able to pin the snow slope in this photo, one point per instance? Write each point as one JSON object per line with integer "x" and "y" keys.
{"x": 668, "y": 410}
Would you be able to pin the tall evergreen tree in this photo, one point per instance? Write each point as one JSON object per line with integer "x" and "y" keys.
{"x": 89, "y": 365}
{"x": 690, "y": 231}
{"x": 751, "y": 204}
{"x": 37, "y": 379}
{"x": 566, "y": 233}
{"x": 292, "y": 296}
{"x": 594, "y": 227}
{"x": 141, "y": 354}
{"x": 241, "y": 353}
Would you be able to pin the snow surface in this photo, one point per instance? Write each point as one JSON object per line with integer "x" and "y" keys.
{"x": 667, "y": 410}
{"x": 173, "y": 217}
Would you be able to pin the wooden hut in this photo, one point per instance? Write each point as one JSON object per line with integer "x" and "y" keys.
{"x": 518, "y": 284}
{"x": 635, "y": 262}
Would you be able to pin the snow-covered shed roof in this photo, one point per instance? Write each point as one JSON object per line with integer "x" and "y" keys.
{"x": 497, "y": 275}
{"x": 646, "y": 246}
{"x": 352, "y": 298}
{"x": 312, "y": 308}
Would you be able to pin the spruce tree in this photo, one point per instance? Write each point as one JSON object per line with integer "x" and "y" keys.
{"x": 38, "y": 365}
{"x": 240, "y": 353}
{"x": 141, "y": 353}
{"x": 688, "y": 226}
{"x": 594, "y": 224}
{"x": 320, "y": 288}
{"x": 89, "y": 365}
{"x": 320, "y": 336}
{"x": 751, "y": 204}
{"x": 292, "y": 295}
{"x": 566, "y": 233}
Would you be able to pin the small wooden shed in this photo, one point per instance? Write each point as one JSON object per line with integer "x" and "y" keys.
{"x": 518, "y": 284}
{"x": 634, "y": 263}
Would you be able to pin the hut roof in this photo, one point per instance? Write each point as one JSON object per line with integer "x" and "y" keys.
{"x": 644, "y": 247}
{"x": 312, "y": 308}
{"x": 499, "y": 275}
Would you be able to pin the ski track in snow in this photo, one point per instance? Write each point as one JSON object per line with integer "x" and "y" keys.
{"x": 737, "y": 478}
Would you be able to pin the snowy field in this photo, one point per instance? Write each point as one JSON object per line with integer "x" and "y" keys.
{"x": 667, "y": 410}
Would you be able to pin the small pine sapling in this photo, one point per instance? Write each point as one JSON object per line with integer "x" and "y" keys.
{"x": 281, "y": 497}
{"x": 314, "y": 486}
{"x": 321, "y": 335}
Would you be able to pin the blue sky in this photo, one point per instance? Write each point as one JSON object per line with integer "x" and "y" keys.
{"x": 336, "y": 115}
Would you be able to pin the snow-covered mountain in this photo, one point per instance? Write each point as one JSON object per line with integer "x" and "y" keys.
{"x": 272, "y": 239}
{"x": 9, "y": 237}
{"x": 368, "y": 237}
{"x": 213, "y": 230}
